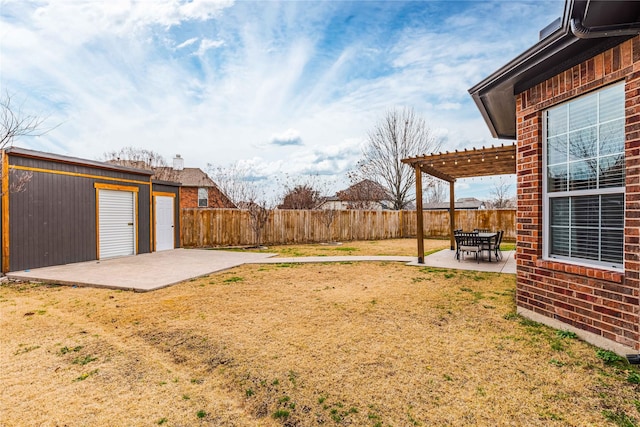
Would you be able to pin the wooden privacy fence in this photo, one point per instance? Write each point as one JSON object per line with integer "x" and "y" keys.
{"x": 231, "y": 227}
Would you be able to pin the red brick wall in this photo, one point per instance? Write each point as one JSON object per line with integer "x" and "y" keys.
{"x": 603, "y": 302}
{"x": 189, "y": 198}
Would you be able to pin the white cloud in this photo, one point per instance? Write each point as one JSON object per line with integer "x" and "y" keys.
{"x": 186, "y": 43}
{"x": 286, "y": 138}
{"x": 207, "y": 44}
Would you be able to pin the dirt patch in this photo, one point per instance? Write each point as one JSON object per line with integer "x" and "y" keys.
{"x": 371, "y": 344}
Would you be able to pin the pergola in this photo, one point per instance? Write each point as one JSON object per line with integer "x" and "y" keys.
{"x": 458, "y": 164}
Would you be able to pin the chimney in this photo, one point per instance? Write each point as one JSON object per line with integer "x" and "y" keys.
{"x": 178, "y": 163}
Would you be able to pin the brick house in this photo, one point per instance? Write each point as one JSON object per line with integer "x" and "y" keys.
{"x": 197, "y": 189}
{"x": 572, "y": 101}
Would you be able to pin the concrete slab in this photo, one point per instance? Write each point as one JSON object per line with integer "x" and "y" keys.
{"x": 141, "y": 273}
{"x": 446, "y": 259}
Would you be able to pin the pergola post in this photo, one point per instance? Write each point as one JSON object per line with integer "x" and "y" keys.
{"x": 452, "y": 214}
{"x": 419, "y": 224}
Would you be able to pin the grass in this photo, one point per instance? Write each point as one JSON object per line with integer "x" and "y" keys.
{"x": 320, "y": 344}
{"x": 392, "y": 247}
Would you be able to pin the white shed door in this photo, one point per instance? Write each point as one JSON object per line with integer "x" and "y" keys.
{"x": 116, "y": 219}
{"x": 164, "y": 223}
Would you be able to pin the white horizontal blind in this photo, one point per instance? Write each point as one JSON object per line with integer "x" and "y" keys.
{"x": 585, "y": 178}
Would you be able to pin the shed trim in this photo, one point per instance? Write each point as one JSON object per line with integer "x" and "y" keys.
{"x": 5, "y": 212}
{"x": 80, "y": 175}
{"x": 103, "y": 186}
{"x": 160, "y": 193}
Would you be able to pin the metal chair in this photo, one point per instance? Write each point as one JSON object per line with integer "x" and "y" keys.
{"x": 495, "y": 245}
{"x": 467, "y": 243}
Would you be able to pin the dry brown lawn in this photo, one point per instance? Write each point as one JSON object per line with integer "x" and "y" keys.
{"x": 362, "y": 344}
{"x": 392, "y": 247}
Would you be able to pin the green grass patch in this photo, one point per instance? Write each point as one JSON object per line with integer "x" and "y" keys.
{"x": 566, "y": 334}
{"x": 233, "y": 279}
{"x": 608, "y": 357}
{"x": 86, "y": 375}
{"x": 281, "y": 414}
{"x": 633, "y": 377}
{"x": 619, "y": 418}
{"x": 345, "y": 249}
{"x": 26, "y": 350}
{"x": 557, "y": 363}
{"x": 65, "y": 349}
{"x": 84, "y": 360}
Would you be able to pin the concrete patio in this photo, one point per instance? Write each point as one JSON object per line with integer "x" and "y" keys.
{"x": 446, "y": 259}
{"x": 140, "y": 273}
{"x": 147, "y": 272}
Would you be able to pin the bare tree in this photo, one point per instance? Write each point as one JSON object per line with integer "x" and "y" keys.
{"x": 436, "y": 192}
{"x": 142, "y": 158}
{"x": 501, "y": 195}
{"x": 259, "y": 212}
{"x": 234, "y": 181}
{"x": 301, "y": 197}
{"x": 304, "y": 191}
{"x": 237, "y": 182}
{"x": 15, "y": 124}
{"x": 400, "y": 134}
{"x": 327, "y": 216}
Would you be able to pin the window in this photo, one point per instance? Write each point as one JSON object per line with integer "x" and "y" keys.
{"x": 585, "y": 178}
{"x": 203, "y": 197}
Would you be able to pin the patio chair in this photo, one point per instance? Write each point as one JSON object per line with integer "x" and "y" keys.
{"x": 494, "y": 245}
{"x": 468, "y": 243}
{"x": 455, "y": 234}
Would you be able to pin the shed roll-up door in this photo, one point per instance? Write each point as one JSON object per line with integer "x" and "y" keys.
{"x": 116, "y": 219}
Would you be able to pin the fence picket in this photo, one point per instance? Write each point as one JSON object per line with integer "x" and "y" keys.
{"x": 230, "y": 227}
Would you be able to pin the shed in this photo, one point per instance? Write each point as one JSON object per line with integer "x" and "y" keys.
{"x": 59, "y": 209}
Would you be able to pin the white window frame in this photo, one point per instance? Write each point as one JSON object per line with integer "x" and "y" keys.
{"x": 546, "y": 220}
{"x": 205, "y": 190}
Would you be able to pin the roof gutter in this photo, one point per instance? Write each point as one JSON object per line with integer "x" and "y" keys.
{"x": 583, "y": 32}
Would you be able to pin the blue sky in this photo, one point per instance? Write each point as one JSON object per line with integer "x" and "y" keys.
{"x": 283, "y": 87}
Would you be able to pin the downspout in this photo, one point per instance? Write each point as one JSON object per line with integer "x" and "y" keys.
{"x": 582, "y": 32}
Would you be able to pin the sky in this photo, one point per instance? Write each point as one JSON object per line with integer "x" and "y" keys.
{"x": 289, "y": 87}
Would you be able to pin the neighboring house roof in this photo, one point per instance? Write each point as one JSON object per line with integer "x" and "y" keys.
{"x": 365, "y": 190}
{"x": 193, "y": 177}
{"x": 462, "y": 203}
{"x": 188, "y": 177}
{"x": 588, "y": 27}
